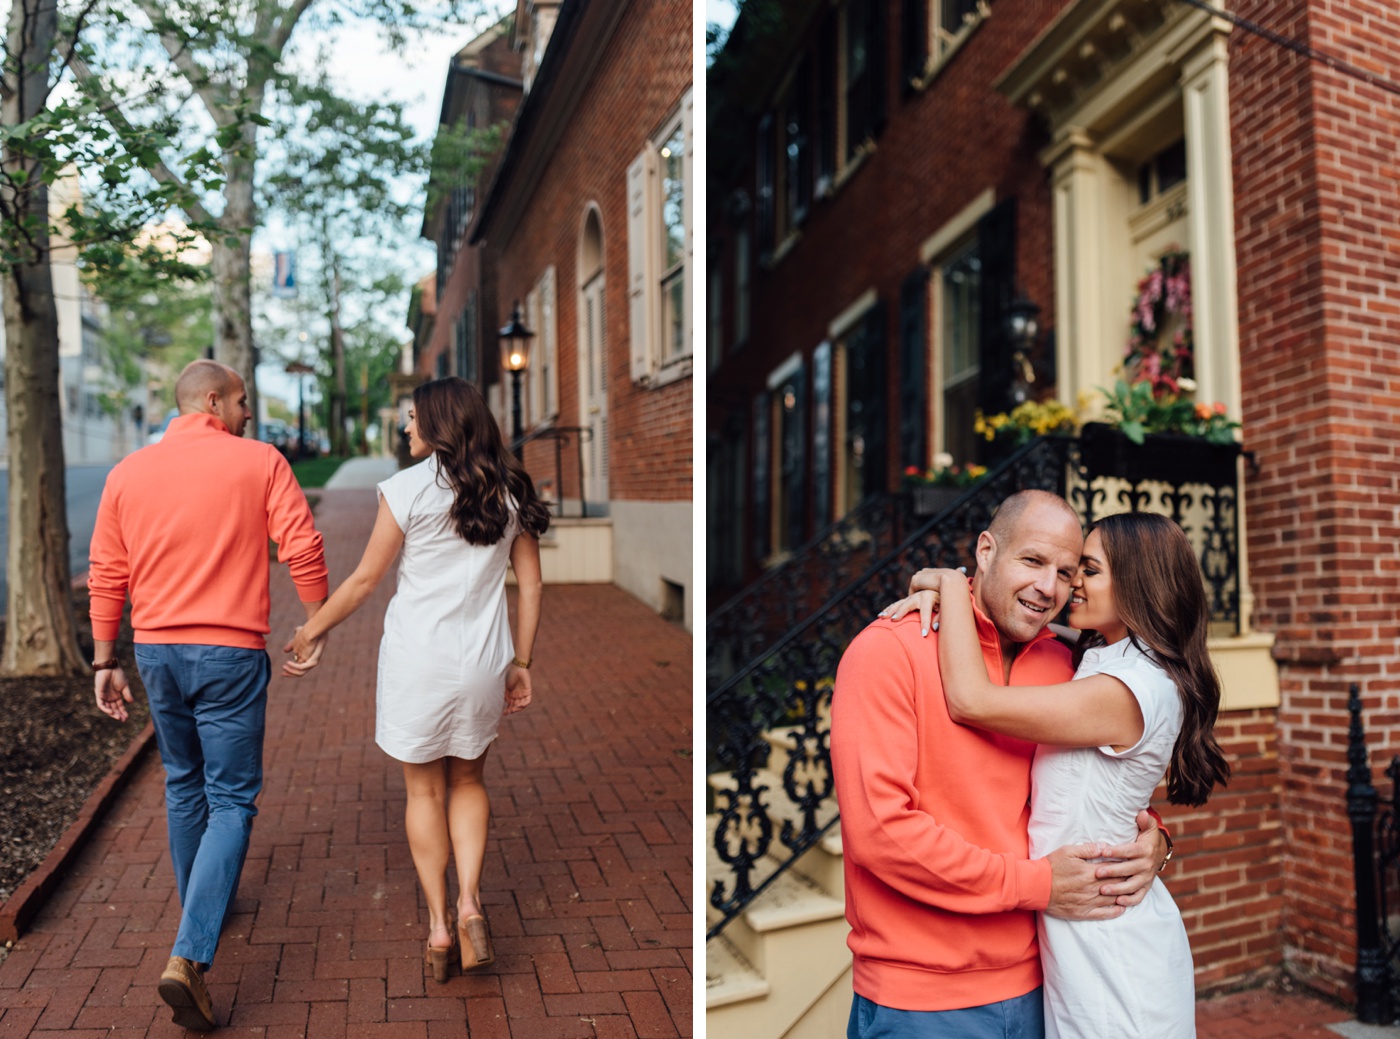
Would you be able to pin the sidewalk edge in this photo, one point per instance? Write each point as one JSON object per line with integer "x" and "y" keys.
{"x": 29, "y": 897}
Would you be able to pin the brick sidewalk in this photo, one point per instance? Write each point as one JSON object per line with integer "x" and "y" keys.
{"x": 588, "y": 872}
{"x": 1267, "y": 1014}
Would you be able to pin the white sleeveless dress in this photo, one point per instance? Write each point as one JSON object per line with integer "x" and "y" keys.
{"x": 1130, "y": 977}
{"x": 447, "y": 641}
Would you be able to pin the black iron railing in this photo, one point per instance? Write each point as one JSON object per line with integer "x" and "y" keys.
{"x": 1375, "y": 846}
{"x": 561, "y": 435}
{"x": 777, "y": 693}
{"x": 786, "y": 594}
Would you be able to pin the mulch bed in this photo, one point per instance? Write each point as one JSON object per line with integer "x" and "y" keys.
{"x": 57, "y": 747}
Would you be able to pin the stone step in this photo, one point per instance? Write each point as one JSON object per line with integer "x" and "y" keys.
{"x": 729, "y": 977}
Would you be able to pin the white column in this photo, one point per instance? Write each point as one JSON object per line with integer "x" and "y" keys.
{"x": 1214, "y": 296}
{"x": 1080, "y": 354}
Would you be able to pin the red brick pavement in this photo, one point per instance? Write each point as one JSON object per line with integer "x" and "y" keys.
{"x": 588, "y": 872}
{"x": 1265, "y": 1013}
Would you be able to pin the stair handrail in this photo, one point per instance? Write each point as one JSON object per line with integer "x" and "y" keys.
{"x": 741, "y": 626}
{"x": 560, "y": 435}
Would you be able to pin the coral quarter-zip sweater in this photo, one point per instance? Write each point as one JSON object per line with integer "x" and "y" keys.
{"x": 940, "y": 894}
{"x": 184, "y": 525}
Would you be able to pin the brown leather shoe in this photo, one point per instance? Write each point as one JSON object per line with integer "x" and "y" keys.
{"x": 182, "y": 986}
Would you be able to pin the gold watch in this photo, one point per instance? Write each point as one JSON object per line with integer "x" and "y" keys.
{"x": 523, "y": 664}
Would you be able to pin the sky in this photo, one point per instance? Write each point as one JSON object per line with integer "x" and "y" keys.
{"x": 365, "y": 67}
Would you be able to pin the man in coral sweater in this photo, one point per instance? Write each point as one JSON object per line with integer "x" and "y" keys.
{"x": 183, "y": 527}
{"x": 940, "y": 894}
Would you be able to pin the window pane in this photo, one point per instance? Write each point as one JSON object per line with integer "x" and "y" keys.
{"x": 962, "y": 288}
{"x": 673, "y": 316}
{"x": 673, "y": 194}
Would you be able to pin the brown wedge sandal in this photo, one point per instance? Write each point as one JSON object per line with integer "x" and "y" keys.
{"x": 475, "y": 938}
{"x": 436, "y": 960}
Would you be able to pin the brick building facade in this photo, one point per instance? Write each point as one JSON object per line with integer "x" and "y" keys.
{"x": 585, "y": 227}
{"x": 869, "y": 160}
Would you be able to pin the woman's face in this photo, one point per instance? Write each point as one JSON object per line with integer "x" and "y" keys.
{"x": 417, "y": 446}
{"x": 1091, "y": 602}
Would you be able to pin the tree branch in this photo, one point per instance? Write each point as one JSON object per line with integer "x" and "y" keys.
{"x": 288, "y": 22}
{"x": 198, "y": 77}
{"x": 88, "y": 8}
{"x": 163, "y": 173}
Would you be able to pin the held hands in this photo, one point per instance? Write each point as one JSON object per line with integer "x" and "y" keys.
{"x": 923, "y": 596}
{"x": 113, "y": 692}
{"x": 306, "y": 654}
{"x": 518, "y": 689}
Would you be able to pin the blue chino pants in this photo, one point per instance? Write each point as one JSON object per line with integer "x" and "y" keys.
{"x": 1020, "y": 1018}
{"x": 209, "y": 706}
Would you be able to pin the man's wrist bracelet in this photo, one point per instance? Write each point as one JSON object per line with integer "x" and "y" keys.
{"x": 1168, "y": 838}
{"x": 106, "y": 665}
{"x": 523, "y": 664}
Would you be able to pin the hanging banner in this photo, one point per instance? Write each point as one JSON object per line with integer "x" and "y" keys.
{"x": 284, "y": 274}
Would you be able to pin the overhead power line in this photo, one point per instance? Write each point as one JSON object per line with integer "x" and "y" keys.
{"x": 1298, "y": 47}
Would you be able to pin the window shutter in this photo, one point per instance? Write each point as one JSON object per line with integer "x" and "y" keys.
{"x": 549, "y": 331}
{"x": 761, "y": 519}
{"x": 878, "y": 42}
{"x": 913, "y": 39}
{"x": 793, "y": 450}
{"x": 687, "y": 209}
{"x": 821, "y": 435}
{"x": 827, "y": 86}
{"x": 996, "y": 246}
{"x": 641, "y": 176}
{"x": 913, "y": 379}
{"x": 767, "y": 158}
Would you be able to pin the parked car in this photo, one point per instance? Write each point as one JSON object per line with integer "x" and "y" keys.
{"x": 154, "y": 434}
{"x": 278, "y": 434}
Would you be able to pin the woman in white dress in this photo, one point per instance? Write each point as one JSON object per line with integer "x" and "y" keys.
{"x": 1142, "y": 705}
{"x": 448, "y": 665}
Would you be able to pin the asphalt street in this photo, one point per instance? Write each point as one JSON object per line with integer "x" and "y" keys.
{"x": 84, "y": 491}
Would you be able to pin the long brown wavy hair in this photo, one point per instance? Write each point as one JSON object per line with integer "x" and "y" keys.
{"x": 1159, "y": 595}
{"x": 485, "y": 478}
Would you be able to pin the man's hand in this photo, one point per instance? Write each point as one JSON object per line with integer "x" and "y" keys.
{"x": 306, "y": 654}
{"x": 113, "y": 692}
{"x": 518, "y": 689}
{"x": 1074, "y": 888}
{"x": 1135, "y": 865}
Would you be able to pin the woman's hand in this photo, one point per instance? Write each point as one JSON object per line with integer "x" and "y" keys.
{"x": 923, "y": 596}
{"x": 518, "y": 689}
{"x": 925, "y": 602}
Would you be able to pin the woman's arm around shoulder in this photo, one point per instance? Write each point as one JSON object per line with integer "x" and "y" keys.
{"x": 1090, "y": 712}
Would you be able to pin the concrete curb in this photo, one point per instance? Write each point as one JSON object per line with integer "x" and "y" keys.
{"x": 29, "y": 897}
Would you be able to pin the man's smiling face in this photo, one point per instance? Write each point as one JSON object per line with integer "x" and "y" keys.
{"x": 1023, "y": 578}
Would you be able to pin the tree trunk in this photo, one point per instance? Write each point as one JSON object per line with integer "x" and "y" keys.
{"x": 40, "y": 636}
{"x": 233, "y": 307}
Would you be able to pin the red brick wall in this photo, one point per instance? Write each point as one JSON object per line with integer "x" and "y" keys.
{"x": 869, "y": 233}
{"x": 638, "y": 84}
{"x": 1227, "y": 877}
{"x": 1317, "y": 228}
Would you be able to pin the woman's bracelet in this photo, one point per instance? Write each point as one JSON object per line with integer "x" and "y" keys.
{"x": 523, "y": 664}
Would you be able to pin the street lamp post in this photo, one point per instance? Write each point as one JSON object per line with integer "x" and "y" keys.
{"x": 301, "y": 370}
{"x": 515, "y": 358}
{"x": 1023, "y": 326}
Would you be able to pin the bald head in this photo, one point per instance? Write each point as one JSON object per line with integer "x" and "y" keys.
{"x": 198, "y": 380}
{"x": 1041, "y": 504}
{"x": 210, "y": 388}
